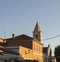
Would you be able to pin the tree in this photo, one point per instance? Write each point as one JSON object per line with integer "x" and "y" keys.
{"x": 57, "y": 53}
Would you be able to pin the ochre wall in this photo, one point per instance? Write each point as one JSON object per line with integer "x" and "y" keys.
{"x": 36, "y": 53}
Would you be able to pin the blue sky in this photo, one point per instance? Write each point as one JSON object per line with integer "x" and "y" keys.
{"x": 20, "y": 17}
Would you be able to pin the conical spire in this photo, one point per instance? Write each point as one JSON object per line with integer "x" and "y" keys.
{"x": 37, "y": 34}
{"x": 37, "y": 27}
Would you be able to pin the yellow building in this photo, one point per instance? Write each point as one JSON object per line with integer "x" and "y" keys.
{"x": 30, "y": 48}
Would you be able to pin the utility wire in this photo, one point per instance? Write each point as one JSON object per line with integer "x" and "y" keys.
{"x": 51, "y": 37}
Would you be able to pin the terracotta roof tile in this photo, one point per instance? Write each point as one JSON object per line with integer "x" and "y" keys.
{"x": 21, "y": 37}
{"x": 22, "y": 40}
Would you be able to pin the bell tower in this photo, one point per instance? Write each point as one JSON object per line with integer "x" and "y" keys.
{"x": 37, "y": 33}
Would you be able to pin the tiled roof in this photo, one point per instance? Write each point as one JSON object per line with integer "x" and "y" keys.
{"x": 21, "y": 37}
{"x": 2, "y": 38}
{"x": 22, "y": 40}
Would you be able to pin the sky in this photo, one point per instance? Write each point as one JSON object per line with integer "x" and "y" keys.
{"x": 20, "y": 16}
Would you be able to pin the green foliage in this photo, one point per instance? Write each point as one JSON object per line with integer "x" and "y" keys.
{"x": 57, "y": 53}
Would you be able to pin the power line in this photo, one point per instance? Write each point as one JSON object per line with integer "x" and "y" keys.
{"x": 51, "y": 37}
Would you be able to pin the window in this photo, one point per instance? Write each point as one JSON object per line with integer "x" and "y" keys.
{"x": 36, "y": 36}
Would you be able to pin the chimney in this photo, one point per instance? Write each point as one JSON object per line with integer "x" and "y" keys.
{"x": 13, "y": 36}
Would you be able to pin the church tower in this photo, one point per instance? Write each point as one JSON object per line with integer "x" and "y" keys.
{"x": 37, "y": 34}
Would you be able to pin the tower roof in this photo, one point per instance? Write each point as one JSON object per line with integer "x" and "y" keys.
{"x": 37, "y": 27}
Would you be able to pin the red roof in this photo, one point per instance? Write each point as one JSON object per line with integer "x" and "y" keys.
{"x": 21, "y": 37}
{"x": 23, "y": 40}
